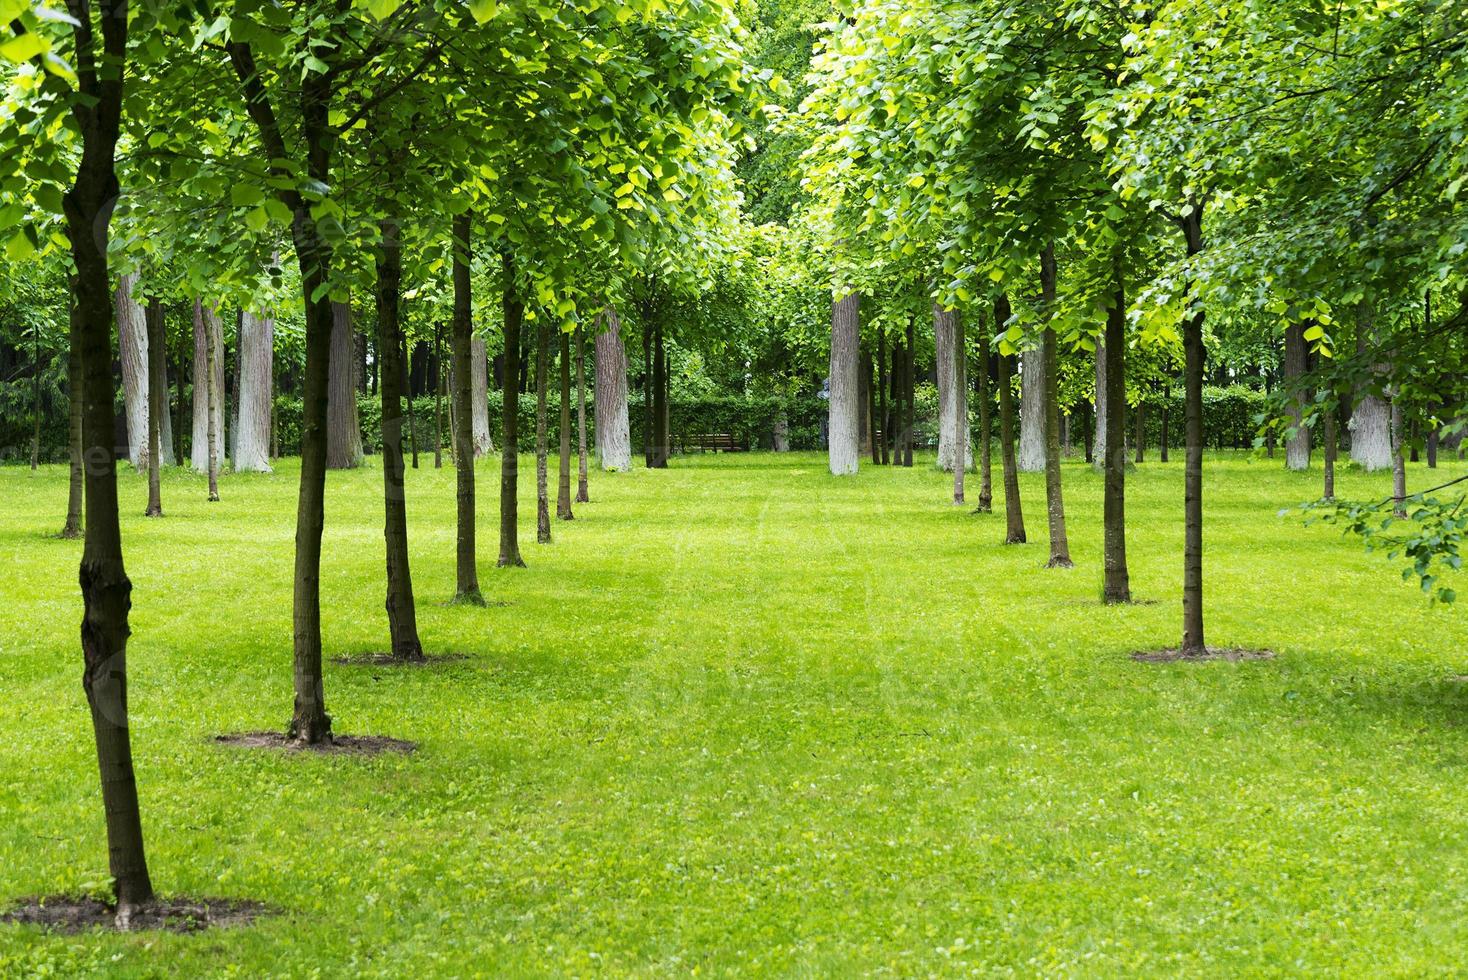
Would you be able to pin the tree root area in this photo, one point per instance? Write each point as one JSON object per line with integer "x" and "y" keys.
{"x": 69, "y": 914}
{"x": 339, "y": 744}
{"x": 1177, "y": 655}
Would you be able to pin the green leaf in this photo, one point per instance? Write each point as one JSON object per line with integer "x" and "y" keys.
{"x": 245, "y": 195}
{"x": 483, "y": 10}
{"x": 23, "y": 48}
{"x": 257, "y": 218}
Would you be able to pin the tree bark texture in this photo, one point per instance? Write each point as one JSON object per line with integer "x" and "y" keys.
{"x": 257, "y": 372}
{"x": 843, "y": 438}
{"x": 344, "y": 434}
{"x": 613, "y": 432}
{"x": 1049, "y": 381}
{"x": 1032, "y": 411}
{"x": 1013, "y": 512}
{"x": 1297, "y": 446}
{"x": 513, "y": 318}
{"x": 1116, "y": 585}
{"x": 582, "y": 490}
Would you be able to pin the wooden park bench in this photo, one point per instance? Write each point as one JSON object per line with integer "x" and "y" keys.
{"x": 715, "y": 442}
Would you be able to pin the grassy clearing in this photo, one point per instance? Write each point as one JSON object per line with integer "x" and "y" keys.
{"x": 747, "y": 718}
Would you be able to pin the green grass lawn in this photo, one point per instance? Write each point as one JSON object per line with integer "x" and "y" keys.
{"x": 744, "y": 717}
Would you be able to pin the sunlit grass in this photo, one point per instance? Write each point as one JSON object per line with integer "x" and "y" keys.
{"x": 746, "y": 717}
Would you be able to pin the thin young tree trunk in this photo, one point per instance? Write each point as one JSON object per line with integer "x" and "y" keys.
{"x": 963, "y": 456}
{"x": 402, "y": 612}
{"x": 909, "y": 384}
{"x": 204, "y": 334}
{"x": 1399, "y": 462}
{"x": 211, "y": 436}
{"x": 104, "y": 583}
{"x": 1116, "y": 581}
{"x": 1013, "y": 513}
{"x": 1097, "y": 454}
{"x": 873, "y": 413}
{"x": 1050, "y": 401}
{"x": 412, "y": 420}
{"x": 1329, "y": 436}
{"x": 344, "y": 433}
{"x": 582, "y": 495}
{"x": 73, "y": 526}
{"x": 661, "y": 448}
{"x": 513, "y": 317}
{"x": 157, "y": 406}
{"x": 176, "y": 429}
{"x": 438, "y": 386}
{"x": 863, "y": 402}
{"x": 899, "y": 386}
{"x": 542, "y": 496}
{"x": 843, "y": 437}
{"x": 1139, "y": 432}
{"x": 613, "y": 431}
{"x": 132, "y": 342}
{"x": 1193, "y": 367}
{"x": 35, "y": 399}
{"x": 563, "y": 484}
{"x": 1166, "y": 405}
{"x": 461, "y": 413}
{"x": 986, "y": 435}
{"x": 1297, "y": 446}
{"x": 255, "y": 394}
{"x": 883, "y": 405}
{"x": 647, "y": 386}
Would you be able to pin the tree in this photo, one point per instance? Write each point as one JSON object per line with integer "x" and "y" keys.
{"x": 613, "y": 435}
{"x": 843, "y": 437}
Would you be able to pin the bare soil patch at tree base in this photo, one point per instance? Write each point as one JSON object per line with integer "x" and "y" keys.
{"x": 388, "y": 660}
{"x": 67, "y": 913}
{"x": 339, "y": 744}
{"x": 1176, "y": 655}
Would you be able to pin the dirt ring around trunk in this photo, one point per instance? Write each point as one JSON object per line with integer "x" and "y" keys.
{"x": 70, "y": 914}
{"x": 339, "y": 744}
{"x": 1176, "y": 655}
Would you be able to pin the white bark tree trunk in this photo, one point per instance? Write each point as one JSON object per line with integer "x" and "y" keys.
{"x": 844, "y": 439}
{"x": 343, "y": 434}
{"x": 252, "y": 431}
{"x": 132, "y": 338}
{"x": 1032, "y": 412}
{"x": 208, "y": 331}
{"x": 479, "y": 395}
{"x": 613, "y": 432}
{"x": 952, "y": 400}
{"x": 1371, "y": 428}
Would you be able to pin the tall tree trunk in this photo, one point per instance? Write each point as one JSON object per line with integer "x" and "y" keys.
{"x": 208, "y": 343}
{"x": 1166, "y": 405}
{"x": 132, "y": 342}
{"x": 1399, "y": 463}
{"x": 438, "y": 386}
{"x": 35, "y": 399}
{"x": 863, "y": 402}
{"x": 582, "y": 495}
{"x": 408, "y": 392}
{"x": 872, "y": 425}
{"x": 105, "y": 587}
{"x": 466, "y": 587}
{"x": 953, "y": 449}
{"x": 1116, "y": 583}
{"x": 1297, "y": 446}
{"x": 479, "y": 372}
{"x": 661, "y": 446}
{"x": 211, "y": 435}
{"x": 843, "y": 438}
{"x": 1050, "y": 386}
{"x": 1371, "y": 438}
{"x": 1330, "y": 437}
{"x": 899, "y": 389}
{"x": 986, "y": 436}
{"x": 74, "y": 396}
{"x": 1139, "y": 432}
{"x": 255, "y": 393}
{"x": 176, "y": 427}
{"x": 1013, "y": 513}
{"x": 513, "y": 318}
{"x": 343, "y": 433}
{"x": 909, "y": 401}
{"x": 542, "y": 495}
{"x": 1097, "y": 455}
{"x": 402, "y": 613}
{"x": 613, "y": 433}
{"x": 563, "y": 485}
{"x": 648, "y": 452}
{"x": 963, "y": 454}
{"x": 157, "y": 406}
{"x": 1032, "y": 411}
{"x": 1193, "y": 367}
{"x": 884, "y": 416}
